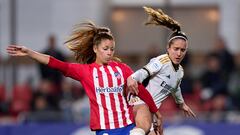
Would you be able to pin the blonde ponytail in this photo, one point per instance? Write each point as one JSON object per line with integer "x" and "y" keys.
{"x": 158, "y": 17}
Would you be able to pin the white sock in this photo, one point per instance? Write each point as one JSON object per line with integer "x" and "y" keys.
{"x": 137, "y": 131}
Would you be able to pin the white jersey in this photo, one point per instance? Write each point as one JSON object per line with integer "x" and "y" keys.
{"x": 164, "y": 80}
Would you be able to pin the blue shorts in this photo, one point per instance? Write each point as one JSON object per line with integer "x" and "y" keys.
{"x": 117, "y": 131}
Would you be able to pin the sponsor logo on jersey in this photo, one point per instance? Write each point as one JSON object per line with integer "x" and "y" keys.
{"x": 116, "y": 89}
{"x": 168, "y": 76}
{"x": 166, "y": 86}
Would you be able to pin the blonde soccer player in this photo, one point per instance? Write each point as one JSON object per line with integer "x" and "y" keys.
{"x": 163, "y": 73}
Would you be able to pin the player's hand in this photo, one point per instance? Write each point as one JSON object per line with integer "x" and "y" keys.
{"x": 15, "y": 50}
{"x": 158, "y": 123}
{"x": 132, "y": 85}
{"x": 187, "y": 110}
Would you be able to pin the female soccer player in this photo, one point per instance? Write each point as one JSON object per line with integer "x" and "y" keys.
{"x": 163, "y": 74}
{"x": 102, "y": 76}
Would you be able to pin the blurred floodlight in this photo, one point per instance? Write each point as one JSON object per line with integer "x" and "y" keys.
{"x": 213, "y": 15}
{"x": 118, "y": 16}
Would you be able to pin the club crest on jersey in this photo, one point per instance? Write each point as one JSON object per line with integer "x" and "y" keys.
{"x": 117, "y": 75}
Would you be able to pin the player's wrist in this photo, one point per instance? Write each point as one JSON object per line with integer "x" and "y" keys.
{"x": 180, "y": 105}
{"x": 133, "y": 77}
{"x": 158, "y": 114}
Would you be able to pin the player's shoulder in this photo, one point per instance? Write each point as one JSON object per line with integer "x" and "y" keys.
{"x": 163, "y": 59}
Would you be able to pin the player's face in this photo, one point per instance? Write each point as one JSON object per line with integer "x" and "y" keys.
{"x": 177, "y": 50}
{"x": 104, "y": 51}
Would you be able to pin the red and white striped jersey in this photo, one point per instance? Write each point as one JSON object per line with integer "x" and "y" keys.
{"x": 105, "y": 87}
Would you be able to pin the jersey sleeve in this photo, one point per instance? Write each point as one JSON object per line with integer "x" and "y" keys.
{"x": 127, "y": 70}
{"x": 148, "y": 70}
{"x": 72, "y": 70}
{"x": 143, "y": 93}
{"x": 178, "y": 96}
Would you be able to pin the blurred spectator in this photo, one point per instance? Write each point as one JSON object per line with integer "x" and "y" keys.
{"x": 234, "y": 88}
{"x": 194, "y": 97}
{"x": 219, "y": 103}
{"x": 41, "y": 104}
{"x": 21, "y": 96}
{"x": 187, "y": 82}
{"x": 80, "y": 107}
{"x": 226, "y": 59}
{"x": 66, "y": 100}
{"x": 212, "y": 80}
{"x": 4, "y": 105}
{"x": 44, "y": 104}
{"x": 218, "y": 107}
{"x": 43, "y": 111}
{"x": 44, "y": 91}
{"x": 48, "y": 73}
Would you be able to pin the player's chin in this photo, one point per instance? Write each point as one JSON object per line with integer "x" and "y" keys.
{"x": 106, "y": 61}
{"x": 177, "y": 61}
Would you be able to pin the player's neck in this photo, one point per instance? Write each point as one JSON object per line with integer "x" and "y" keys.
{"x": 175, "y": 66}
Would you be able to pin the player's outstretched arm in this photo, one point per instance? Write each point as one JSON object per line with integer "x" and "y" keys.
{"x": 18, "y": 51}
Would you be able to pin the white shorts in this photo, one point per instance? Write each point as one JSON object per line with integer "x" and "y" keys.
{"x": 135, "y": 100}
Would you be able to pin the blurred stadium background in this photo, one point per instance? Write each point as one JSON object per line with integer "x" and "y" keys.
{"x": 30, "y": 104}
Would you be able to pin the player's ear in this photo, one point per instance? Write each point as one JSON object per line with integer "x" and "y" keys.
{"x": 167, "y": 47}
{"x": 95, "y": 48}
